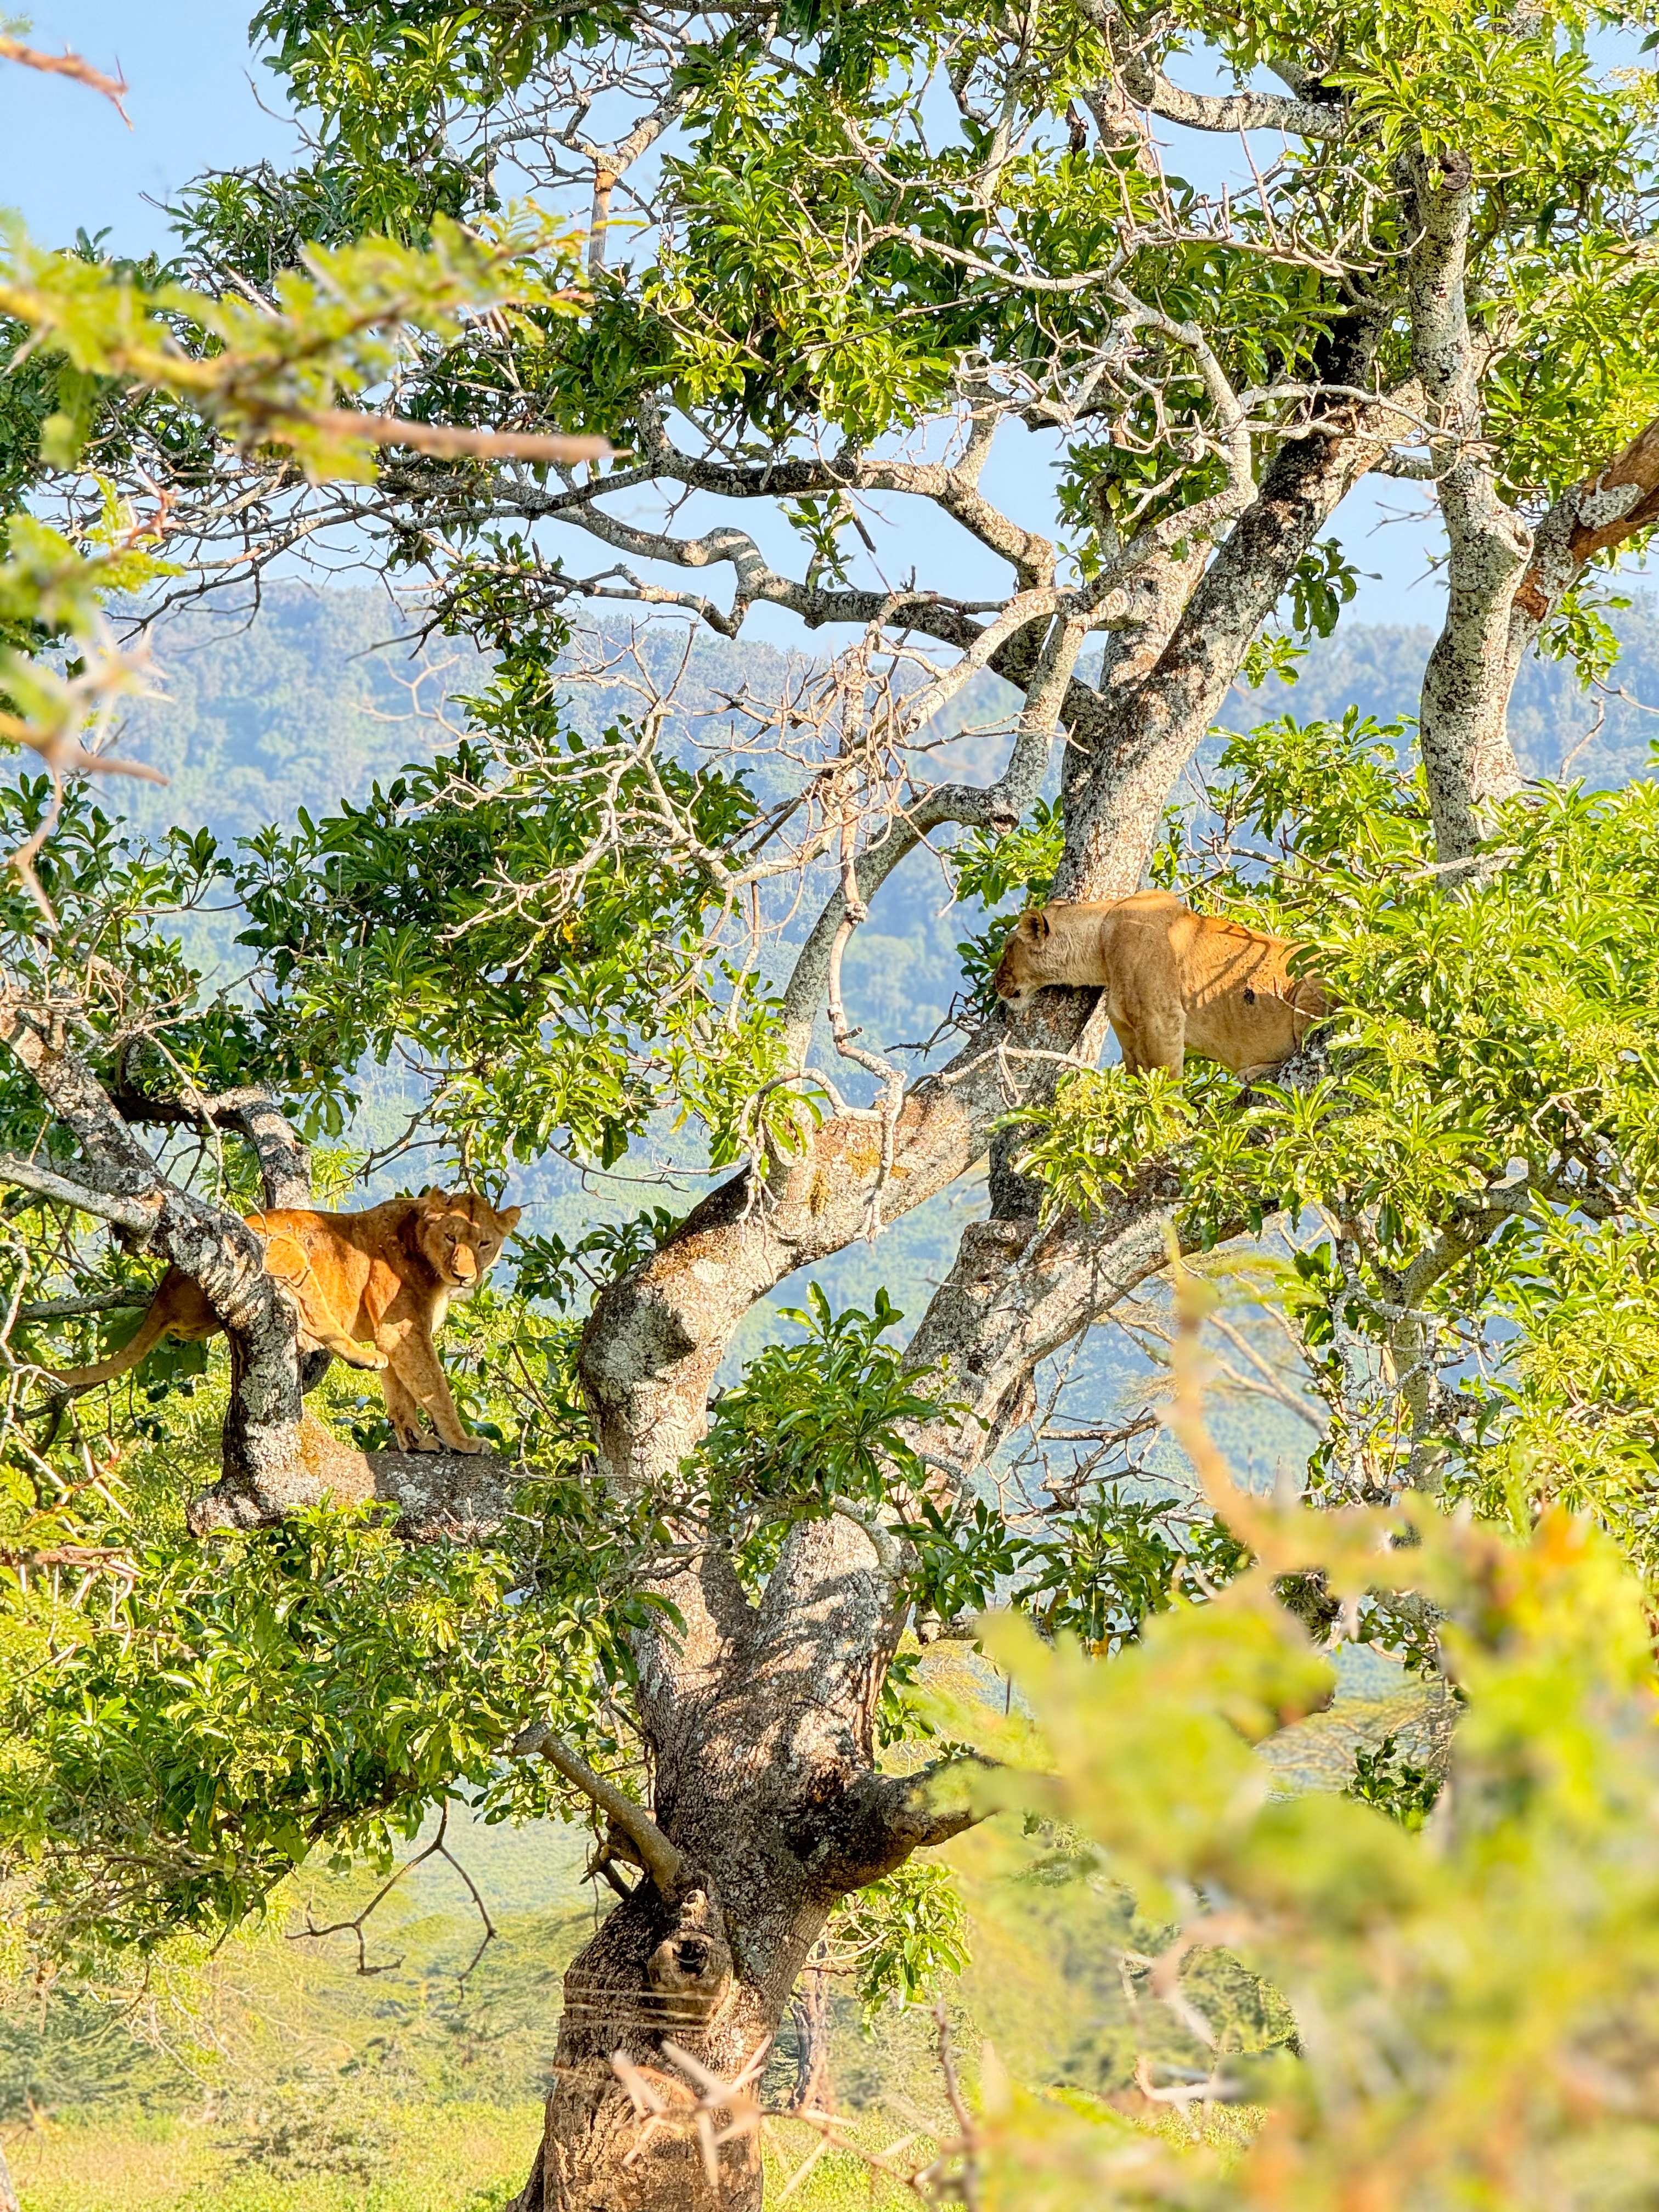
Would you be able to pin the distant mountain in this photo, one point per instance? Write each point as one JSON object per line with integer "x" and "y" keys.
{"x": 1604, "y": 738}
{"x": 319, "y": 693}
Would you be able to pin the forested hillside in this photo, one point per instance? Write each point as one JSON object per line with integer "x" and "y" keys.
{"x": 318, "y": 693}
{"x": 1032, "y": 1583}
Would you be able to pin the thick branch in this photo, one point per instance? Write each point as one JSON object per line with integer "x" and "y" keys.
{"x": 134, "y": 1214}
{"x": 1119, "y": 778}
{"x": 1466, "y": 686}
{"x": 284, "y": 1161}
{"x": 1606, "y": 510}
{"x": 883, "y": 1818}
{"x": 1019, "y": 1292}
{"x": 1148, "y": 86}
{"x": 1233, "y": 111}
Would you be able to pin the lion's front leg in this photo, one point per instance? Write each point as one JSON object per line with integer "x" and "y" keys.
{"x": 415, "y": 1366}
{"x": 1153, "y": 1042}
{"x": 403, "y": 1412}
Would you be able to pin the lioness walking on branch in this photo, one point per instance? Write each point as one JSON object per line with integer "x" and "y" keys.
{"x": 1175, "y": 981}
{"x": 384, "y": 1277}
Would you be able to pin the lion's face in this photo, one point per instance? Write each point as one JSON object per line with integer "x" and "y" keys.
{"x": 1023, "y": 967}
{"x": 462, "y": 1235}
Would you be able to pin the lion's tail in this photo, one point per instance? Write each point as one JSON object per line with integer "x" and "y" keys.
{"x": 152, "y": 1328}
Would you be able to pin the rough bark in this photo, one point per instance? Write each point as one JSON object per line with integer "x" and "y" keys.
{"x": 1598, "y": 515}
{"x": 758, "y": 1718}
{"x": 1466, "y": 687}
{"x": 1504, "y": 580}
{"x": 1119, "y": 776}
{"x": 460, "y": 1496}
{"x": 765, "y": 1787}
{"x": 251, "y": 1111}
{"x": 814, "y": 2090}
{"x": 1019, "y": 1292}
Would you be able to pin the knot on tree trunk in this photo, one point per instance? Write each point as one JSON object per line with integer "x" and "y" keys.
{"x": 690, "y": 1969}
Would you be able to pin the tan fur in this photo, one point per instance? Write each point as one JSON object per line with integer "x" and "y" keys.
{"x": 1175, "y": 981}
{"x": 384, "y": 1277}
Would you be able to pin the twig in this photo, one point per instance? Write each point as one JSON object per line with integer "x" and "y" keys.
{"x": 438, "y": 1848}
{"x": 114, "y": 89}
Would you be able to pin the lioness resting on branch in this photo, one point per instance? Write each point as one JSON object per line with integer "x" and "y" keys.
{"x": 1175, "y": 981}
{"x": 384, "y": 1277}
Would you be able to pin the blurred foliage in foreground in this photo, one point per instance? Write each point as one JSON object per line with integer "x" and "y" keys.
{"x": 1476, "y": 2022}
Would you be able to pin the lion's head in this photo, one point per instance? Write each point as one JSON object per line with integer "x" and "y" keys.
{"x": 1025, "y": 966}
{"x": 461, "y": 1234}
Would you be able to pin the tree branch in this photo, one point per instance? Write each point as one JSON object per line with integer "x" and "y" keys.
{"x": 114, "y": 88}
{"x": 137, "y": 1215}
{"x": 998, "y": 806}
{"x": 662, "y": 1861}
{"x": 284, "y": 1161}
{"x": 1466, "y": 686}
{"x": 1608, "y": 509}
{"x": 89, "y": 1301}
{"x": 1148, "y": 86}
{"x": 1233, "y": 111}
{"x": 1120, "y": 773}
{"x": 883, "y": 1818}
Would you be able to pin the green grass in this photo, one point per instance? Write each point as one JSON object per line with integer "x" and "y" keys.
{"x": 443, "y": 2158}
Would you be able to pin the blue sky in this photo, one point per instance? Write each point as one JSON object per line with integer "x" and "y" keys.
{"x": 66, "y": 158}
{"x": 67, "y": 161}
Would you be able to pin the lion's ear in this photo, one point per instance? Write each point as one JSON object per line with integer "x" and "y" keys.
{"x": 1043, "y": 926}
{"x": 432, "y": 1198}
{"x": 511, "y": 1217}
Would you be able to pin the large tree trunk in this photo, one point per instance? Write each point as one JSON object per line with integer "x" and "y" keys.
{"x": 767, "y": 1790}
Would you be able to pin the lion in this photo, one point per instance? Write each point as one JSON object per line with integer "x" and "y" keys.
{"x": 1175, "y": 981}
{"x": 384, "y": 1278}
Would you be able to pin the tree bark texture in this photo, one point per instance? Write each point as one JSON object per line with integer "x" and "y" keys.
{"x": 809, "y": 2016}
{"x": 1126, "y": 758}
{"x": 1466, "y": 687}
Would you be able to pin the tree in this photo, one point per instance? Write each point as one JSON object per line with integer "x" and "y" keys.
{"x": 866, "y": 243}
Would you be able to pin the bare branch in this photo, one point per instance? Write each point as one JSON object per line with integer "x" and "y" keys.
{"x": 284, "y": 1161}
{"x": 662, "y": 1861}
{"x": 131, "y": 1214}
{"x": 1606, "y": 510}
{"x": 114, "y": 88}
{"x": 88, "y": 1301}
{"x": 996, "y": 806}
